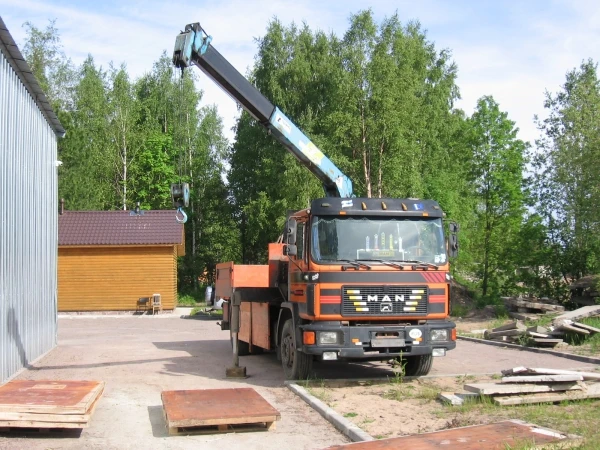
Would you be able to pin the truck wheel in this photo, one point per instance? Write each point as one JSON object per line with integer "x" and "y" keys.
{"x": 296, "y": 365}
{"x": 243, "y": 347}
{"x": 417, "y": 366}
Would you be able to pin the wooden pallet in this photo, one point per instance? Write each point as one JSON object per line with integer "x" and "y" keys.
{"x": 48, "y": 404}
{"x": 217, "y": 411}
{"x": 224, "y": 428}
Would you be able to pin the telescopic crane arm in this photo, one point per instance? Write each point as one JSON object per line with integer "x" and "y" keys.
{"x": 193, "y": 47}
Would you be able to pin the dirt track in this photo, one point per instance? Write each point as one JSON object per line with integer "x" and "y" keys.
{"x": 138, "y": 357}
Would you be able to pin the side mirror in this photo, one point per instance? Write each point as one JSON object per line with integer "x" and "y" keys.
{"x": 290, "y": 250}
{"x": 453, "y": 245}
{"x": 292, "y": 227}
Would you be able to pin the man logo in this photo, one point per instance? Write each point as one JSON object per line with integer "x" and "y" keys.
{"x": 385, "y": 307}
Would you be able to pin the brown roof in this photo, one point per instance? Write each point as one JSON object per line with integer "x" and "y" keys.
{"x": 119, "y": 228}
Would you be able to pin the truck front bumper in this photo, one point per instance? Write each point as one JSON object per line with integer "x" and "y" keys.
{"x": 380, "y": 342}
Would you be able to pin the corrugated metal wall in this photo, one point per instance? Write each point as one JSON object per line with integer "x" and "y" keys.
{"x": 28, "y": 231}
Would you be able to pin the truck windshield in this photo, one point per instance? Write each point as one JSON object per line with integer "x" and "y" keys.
{"x": 365, "y": 238}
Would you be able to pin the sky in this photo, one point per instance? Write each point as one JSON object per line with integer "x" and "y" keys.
{"x": 514, "y": 51}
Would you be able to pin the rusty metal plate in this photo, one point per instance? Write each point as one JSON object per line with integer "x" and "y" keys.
{"x": 191, "y": 408}
{"x": 495, "y": 436}
{"x": 65, "y": 397}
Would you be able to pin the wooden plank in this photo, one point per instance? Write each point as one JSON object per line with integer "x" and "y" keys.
{"x": 586, "y": 327}
{"x": 49, "y": 397}
{"x": 214, "y": 429}
{"x": 542, "y": 378}
{"x": 495, "y": 436}
{"x": 523, "y": 315}
{"x": 532, "y": 305}
{"x": 547, "y": 342}
{"x": 581, "y": 313}
{"x": 261, "y": 330}
{"x": 495, "y": 334}
{"x": 589, "y": 391}
{"x": 538, "y": 329}
{"x": 36, "y": 424}
{"x": 566, "y": 327}
{"x": 456, "y": 399}
{"x": 543, "y": 371}
{"x": 538, "y": 335}
{"x": 511, "y": 326}
{"x": 498, "y": 388}
{"x": 192, "y": 408}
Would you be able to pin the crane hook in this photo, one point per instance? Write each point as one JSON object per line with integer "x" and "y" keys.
{"x": 183, "y": 215}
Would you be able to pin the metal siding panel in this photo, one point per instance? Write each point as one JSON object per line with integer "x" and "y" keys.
{"x": 28, "y": 232}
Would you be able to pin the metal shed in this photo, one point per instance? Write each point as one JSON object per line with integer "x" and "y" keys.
{"x": 28, "y": 213}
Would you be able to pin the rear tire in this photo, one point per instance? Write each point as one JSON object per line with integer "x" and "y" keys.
{"x": 417, "y": 366}
{"x": 296, "y": 365}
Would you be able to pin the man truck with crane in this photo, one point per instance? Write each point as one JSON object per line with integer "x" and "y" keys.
{"x": 350, "y": 278}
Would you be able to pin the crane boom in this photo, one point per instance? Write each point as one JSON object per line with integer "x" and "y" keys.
{"x": 193, "y": 47}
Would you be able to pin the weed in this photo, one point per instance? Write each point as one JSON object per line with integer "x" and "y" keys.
{"x": 350, "y": 414}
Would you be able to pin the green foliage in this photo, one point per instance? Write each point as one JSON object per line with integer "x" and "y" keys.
{"x": 567, "y": 187}
{"x": 186, "y": 300}
{"x": 497, "y": 175}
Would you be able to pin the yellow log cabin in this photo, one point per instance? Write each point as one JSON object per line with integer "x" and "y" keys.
{"x": 108, "y": 260}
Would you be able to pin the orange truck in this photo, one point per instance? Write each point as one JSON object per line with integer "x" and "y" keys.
{"x": 359, "y": 279}
{"x": 353, "y": 278}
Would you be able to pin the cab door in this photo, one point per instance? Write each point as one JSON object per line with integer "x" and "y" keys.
{"x": 299, "y": 266}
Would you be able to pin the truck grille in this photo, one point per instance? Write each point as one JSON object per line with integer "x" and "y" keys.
{"x": 384, "y": 300}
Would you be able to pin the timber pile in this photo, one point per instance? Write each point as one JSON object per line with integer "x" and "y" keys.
{"x": 521, "y": 385}
{"x": 530, "y": 308}
{"x": 48, "y": 404}
{"x": 517, "y": 332}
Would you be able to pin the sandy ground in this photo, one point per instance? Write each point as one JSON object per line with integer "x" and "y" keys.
{"x": 139, "y": 357}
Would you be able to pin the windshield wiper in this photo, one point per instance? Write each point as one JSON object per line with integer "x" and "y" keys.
{"x": 357, "y": 265}
{"x": 416, "y": 263}
{"x": 389, "y": 263}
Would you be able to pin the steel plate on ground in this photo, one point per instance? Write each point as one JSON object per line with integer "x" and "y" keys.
{"x": 495, "y": 436}
{"x": 193, "y": 408}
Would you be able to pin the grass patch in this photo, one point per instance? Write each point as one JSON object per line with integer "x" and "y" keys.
{"x": 186, "y": 300}
{"x": 350, "y": 414}
{"x": 576, "y": 417}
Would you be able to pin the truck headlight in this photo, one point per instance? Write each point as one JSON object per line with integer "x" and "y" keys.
{"x": 329, "y": 337}
{"x": 439, "y": 335}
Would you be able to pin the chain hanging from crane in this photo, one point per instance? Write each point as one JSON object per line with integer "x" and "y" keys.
{"x": 180, "y": 192}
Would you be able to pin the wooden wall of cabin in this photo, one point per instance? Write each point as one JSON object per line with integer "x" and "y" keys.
{"x": 113, "y": 278}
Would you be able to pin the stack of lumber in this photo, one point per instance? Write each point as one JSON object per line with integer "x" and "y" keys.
{"x": 530, "y": 308}
{"x": 48, "y": 404}
{"x": 521, "y": 385}
{"x": 567, "y": 322}
{"x": 517, "y": 332}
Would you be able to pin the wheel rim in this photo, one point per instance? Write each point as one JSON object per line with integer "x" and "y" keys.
{"x": 287, "y": 351}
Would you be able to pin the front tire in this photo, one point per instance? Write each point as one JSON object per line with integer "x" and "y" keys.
{"x": 296, "y": 365}
{"x": 417, "y": 366}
